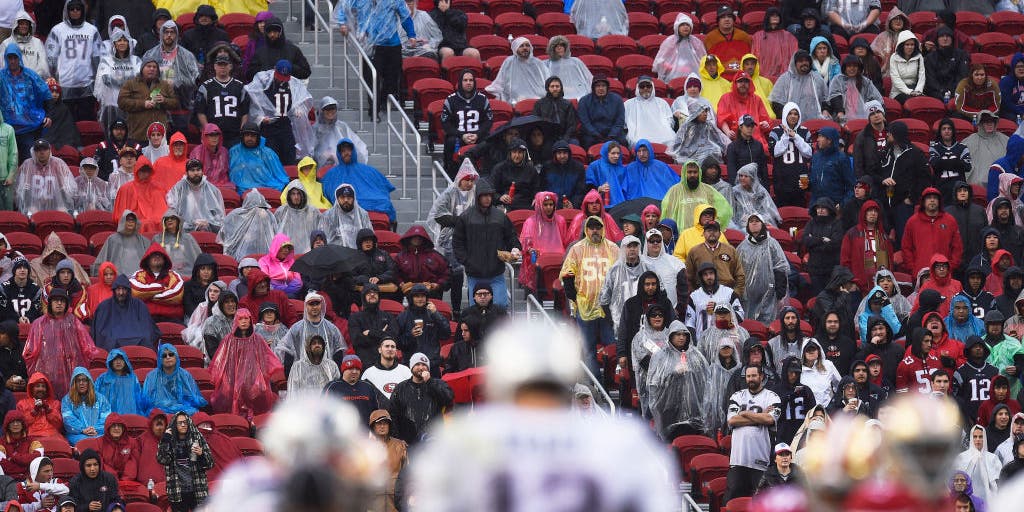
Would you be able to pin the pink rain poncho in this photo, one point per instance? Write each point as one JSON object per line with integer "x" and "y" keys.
{"x": 542, "y": 234}
{"x": 773, "y": 46}
{"x": 215, "y": 162}
{"x": 241, "y": 371}
{"x": 55, "y": 347}
{"x": 679, "y": 56}
{"x": 281, "y": 276}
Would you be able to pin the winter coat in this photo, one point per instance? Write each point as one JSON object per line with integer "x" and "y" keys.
{"x": 185, "y": 476}
{"x": 602, "y": 117}
{"x": 435, "y": 329}
{"x": 1011, "y": 91}
{"x": 559, "y": 111}
{"x": 862, "y": 254}
{"x": 413, "y": 406}
{"x": 831, "y": 175}
{"x": 907, "y": 74}
{"x": 970, "y": 220}
{"x": 266, "y": 57}
{"x": 924, "y": 236}
{"x": 422, "y": 264}
{"x": 822, "y": 255}
{"x": 104, "y": 488}
{"x": 480, "y": 233}
{"x": 133, "y": 97}
{"x": 634, "y": 310}
{"x": 452, "y": 23}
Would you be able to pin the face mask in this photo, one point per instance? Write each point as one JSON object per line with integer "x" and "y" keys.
{"x": 722, "y": 324}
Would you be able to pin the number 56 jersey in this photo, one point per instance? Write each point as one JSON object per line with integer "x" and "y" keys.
{"x": 504, "y": 459}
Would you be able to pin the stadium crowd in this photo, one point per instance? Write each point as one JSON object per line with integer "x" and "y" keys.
{"x": 765, "y": 222}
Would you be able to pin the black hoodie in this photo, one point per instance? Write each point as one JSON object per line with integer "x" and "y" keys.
{"x": 523, "y": 175}
{"x": 970, "y": 217}
{"x": 890, "y": 353}
{"x": 149, "y": 36}
{"x": 195, "y": 291}
{"x": 375, "y": 322}
{"x": 480, "y": 233}
{"x": 377, "y": 262}
{"x": 794, "y": 12}
{"x": 739, "y": 382}
{"x": 794, "y": 400}
{"x": 1015, "y": 466}
{"x": 834, "y": 299}
{"x": 823, "y": 255}
{"x": 200, "y": 38}
{"x": 635, "y": 308}
{"x": 1005, "y": 302}
{"x": 945, "y": 67}
{"x": 1011, "y": 236}
{"x": 266, "y": 57}
{"x": 557, "y": 110}
{"x": 103, "y": 488}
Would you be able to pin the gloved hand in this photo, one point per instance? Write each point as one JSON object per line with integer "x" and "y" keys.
{"x": 948, "y": 362}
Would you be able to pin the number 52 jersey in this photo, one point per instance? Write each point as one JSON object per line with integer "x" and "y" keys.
{"x": 504, "y": 459}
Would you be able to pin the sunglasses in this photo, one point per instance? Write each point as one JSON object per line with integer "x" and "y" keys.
{"x": 646, "y": 86}
{"x": 657, "y": 315}
{"x": 168, "y": 355}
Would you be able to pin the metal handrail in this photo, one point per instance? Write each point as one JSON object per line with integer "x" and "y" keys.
{"x": 368, "y": 88}
{"x": 689, "y": 505}
{"x": 435, "y": 171}
{"x": 408, "y": 151}
{"x": 319, "y": 20}
{"x": 510, "y": 287}
{"x": 533, "y": 307}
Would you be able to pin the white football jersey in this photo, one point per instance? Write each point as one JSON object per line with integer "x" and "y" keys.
{"x": 506, "y": 459}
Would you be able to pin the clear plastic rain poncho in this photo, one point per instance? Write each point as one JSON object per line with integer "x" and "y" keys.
{"x": 193, "y": 332}
{"x": 327, "y": 136}
{"x": 647, "y": 342}
{"x": 580, "y": 257}
{"x": 180, "y": 246}
{"x": 542, "y": 234}
{"x": 621, "y": 282}
{"x": 248, "y": 229}
{"x": 698, "y": 140}
{"x": 294, "y": 342}
{"x": 596, "y": 18}
{"x": 808, "y": 90}
{"x": 340, "y": 226}
{"x": 756, "y": 200}
{"x": 681, "y": 105}
{"x": 112, "y": 73}
{"x": 302, "y": 103}
{"x": 666, "y": 266}
{"x": 855, "y": 91}
{"x": 49, "y": 186}
{"x": 196, "y": 202}
{"x": 92, "y": 194}
{"x": 297, "y": 221}
{"x": 679, "y": 56}
{"x": 519, "y": 78}
{"x": 718, "y": 378}
{"x": 980, "y": 464}
{"x": 310, "y": 376}
{"x": 449, "y": 205}
{"x": 184, "y": 70}
{"x": 372, "y": 23}
{"x": 241, "y": 371}
{"x": 763, "y": 260}
{"x": 648, "y": 118}
{"x": 124, "y": 250}
{"x": 676, "y": 382}
{"x": 576, "y": 78}
{"x": 426, "y": 30}
{"x": 710, "y": 340}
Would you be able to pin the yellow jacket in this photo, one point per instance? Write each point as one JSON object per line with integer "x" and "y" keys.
{"x": 693, "y": 235}
{"x": 762, "y": 86}
{"x": 713, "y": 88}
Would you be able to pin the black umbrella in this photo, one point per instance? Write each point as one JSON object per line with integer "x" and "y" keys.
{"x": 632, "y": 206}
{"x": 328, "y": 260}
{"x": 526, "y": 124}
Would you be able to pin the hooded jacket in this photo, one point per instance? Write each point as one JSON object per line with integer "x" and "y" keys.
{"x": 33, "y": 53}
{"x": 420, "y": 264}
{"x": 194, "y": 292}
{"x": 460, "y": 107}
{"x": 634, "y": 309}
{"x": 602, "y": 118}
{"x": 915, "y": 369}
{"x": 44, "y": 420}
{"x": 200, "y": 38}
{"x": 987, "y": 410}
{"x": 866, "y": 251}
{"x": 809, "y": 91}
{"x": 601, "y": 172}
{"x": 925, "y": 236}
{"x": 556, "y": 110}
{"x": 947, "y": 286}
{"x": 525, "y": 177}
{"x": 970, "y": 219}
{"x": 122, "y": 249}
{"x": 375, "y": 322}
{"x": 890, "y": 353}
{"x": 120, "y": 456}
{"x": 831, "y": 174}
{"x": 612, "y": 231}
{"x": 1012, "y": 91}
{"x": 1016, "y": 466}
{"x": 971, "y": 99}
{"x": 480, "y": 233}
{"x": 414, "y": 405}
{"x": 104, "y": 488}
{"x": 791, "y": 157}
{"x": 374, "y": 189}
{"x": 568, "y": 180}
{"x": 376, "y": 261}
{"x": 282, "y": 49}
{"x": 162, "y": 293}
{"x": 119, "y": 325}
{"x": 822, "y": 238}
{"x": 24, "y": 96}
{"x": 907, "y": 73}
{"x": 20, "y": 451}
{"x": 1011, "y": 236}
{"x": 74, "y": 69}
{"x": 945, "y": 67}
{"x": 252, "y": 302}
{"x": 1009, "y": 163}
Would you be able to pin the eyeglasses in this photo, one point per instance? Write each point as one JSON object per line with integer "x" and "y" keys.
{"x": 646, "y": 85}
{"x": 168, "y": 355}
{"x": 657, "y": 315}
{"x": 482, "y": 293}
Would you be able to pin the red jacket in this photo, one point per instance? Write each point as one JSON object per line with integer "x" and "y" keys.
{"x": 161, "y": 293}
{"x": 860, "y": 255}
{"x": 944, "y": 346}
{"x": 147, "y": 464}
{"x": 19, "y": 451}
{"x": 986, "y": 408}
{"x": 422, "y": 264}
{"x": 120, "y": 457}
{"x": 253, "y": 303}
{"x": 994, "y": 281}
{"x": 45, "y": 420}
{"x": 924, "y": 236}
{"x": 947, "y": 287}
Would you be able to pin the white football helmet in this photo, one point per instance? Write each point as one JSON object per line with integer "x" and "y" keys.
{"x": 533, "y": 352}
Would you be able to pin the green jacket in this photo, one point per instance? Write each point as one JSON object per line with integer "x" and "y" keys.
{"x": 8, "y": 150}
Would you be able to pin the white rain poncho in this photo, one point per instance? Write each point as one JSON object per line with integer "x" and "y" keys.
{"x": 297, "y": 222}
{"x": 261, "y": 108}
{"x": 181, "y": 247}
{"x": 248, "y": 229}
{"x": 92, "y": 194}
{"x": 808, "y": 90}
{"x": 448, "y": 206}
{"x": 756, "y": 200}
{"x": 710, "y": 340}
{"x": 300, "y": 332}
{"x": 340, "y": 226}
{"x": 679, "y": 56}
{"x": 182, "y": 71}
{"x": 203, "y": 202}
{"x": 125, "y": 251}
{"x": 426, "y": 30}
{"x": 596, "y": 18}
{"x": 676, "y": 381}
{"x": 193, "y": 332}
{"x": 766, "y": 267}
{"x": 310, "y": 376}
{"x": 648, "y": 118}
{"x": 49, "y": 186}
{"x": 667, "y": 267}
{"x": 981, "y": 465}
{"x": 328, "y": 135}
{"x": 621, "y": 281}
{"x": 519, "y": 78}
{"x": 112, "y": 73}
{"x": 698, "y": 140}
{"x": 855, "y": 92}
{"x": 576, "y": 78}
{"x": 717, "y": 385}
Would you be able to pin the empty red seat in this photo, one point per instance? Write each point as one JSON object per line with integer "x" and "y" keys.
{"x": 614, "y": 46}
{"x": 202, "y": 377}
{"x": 497, "y": 7}
{"x": 91, "y": 132}
{"x": 74, "y": 242}
{"x": 478, "y": 24}
{"x": 580, "y": 45}
{"x": 598, "y": 64}
{"x": 514, "y": 23}
{"x": 642, "y": 24}
{"x": 428, "y": 90}
{"x": 555, "y": 24}
{"x": 207, "y": 241}
{"x": 706, "y": 467}
{"x": 56, "y": 447}
{"x": 388, "y": 241}
{"x": 489, "y": 45}
{"x": 752, "y": 21}
{"x": 923, "y": 21}
{"x": 225, "y": 264}
{"x": 651, "y": 43}
{"x": 970, "y": 22}
{"x": 416, "y": 68}
{"x": 48, "y": 221}
{"x": 925, "y": 108}
{"x": 93, "y": 221}
{"x": 794, "y": 216}
{"x": 524, "y": 107}
{"x": 190, "y": 356}
{"x": 11, "y": 221}
{"x": 633, "y": 66}
{"x": 231, "y": 425}
{"x": 995, "y": 43}
{"x": 1011, "y": 23}
{"x": 64, "y": 468}
{"x": 237, "y": 23}
{"x": 140, "y": 357}
{"x": 248, "y": 446}
{"x": 918, "y": 130}
{"x": 26, "y": 243}
{"x": 662, "y": 7}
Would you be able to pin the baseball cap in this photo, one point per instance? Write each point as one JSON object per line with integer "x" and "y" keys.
{"x": 630, "y": 240}
{"x": 90, "y": 161}
{"x": 517, "y": 143}
{"x": 782, "y": 448}
{"x": 651, "y": 233}
{"x": 222, "y": 58}
{"x": 346, "y": 191}
{"x": 747, "y": 119}
{"x": 41, "y": 144}
{"x": 722, "y": 308}
{"x": 874, "y": 106}
{"x": 725, "y": 10}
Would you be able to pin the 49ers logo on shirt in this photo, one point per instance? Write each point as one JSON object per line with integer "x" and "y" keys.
{"x": 724, "y": 257}
{"x": 390, "y": 387}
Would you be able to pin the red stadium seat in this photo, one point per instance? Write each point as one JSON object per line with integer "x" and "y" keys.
{"x": 73, "y": 242}
{"x": 231, "y": 425}
{"x": 492, "y": 65}
{"x": 1007, "y": 22}
{"x": 553, "y": 24}
{"x": 202, "y": 377}
{"x": 741, "y": 504}
{"x": 92, "y": 443}
{"x": 518, "y": 218}
{"x": 489, "y": 45}
{"x": 26, "y": 243}
{"x": 380, "y": 221}
{"x": 241, "y": 41}
{"x": 661, "y": 7}
{"x": 714, "y": 492}
{"x": 185, "y": 21}
{"x": 580, "y": 45}
{"x": 68, "y": 154}
{"x": 429, "y": 90}
{"x": 615, "y": 46}
{"x": 706, "y": 467}
{"x": 11, "y": 221}
{"x": 388, "y": 241}
{"x": 416, "y": 68}
{"x": 650, "y": 44}
{"x": 170, "y": 332}
{"x": 94, "y": 221}
{"x": 995, "y": 43}
{"x": 502, "y": 111}
{"x": 919, "y": 131}
{"x": 752, "y": 21}
{"x": 391, "y": 306}
{"x": 969, "y": 22}
{"x": 56, "y": 447}
{"x": 598, "y": 64}
{"x": 633, "y": 66}
{"x": 546, "y": 6}
{"x": 207, "y": 241}
{"x": 853, "y": 127}
{"x": 642, "y": 24}
{"x": 515, "y": 23}
{"x": 893, "y": 108}
{"x": 231, "y": 197}
{"x": 91, "y": 132}
{"x": 794, "y": 217}
{"x": 963, "y": 127}
{"x": 816, "y": 124}
{"x": 498, "y": 7}
{"x": 524, "y": 107}
{"x": 755, "y": 328}
{"x": 48, "y": 221}
{"x": 453, "y": 66}
{"x": 689, "y": 446}
{"x": 923, "y": 21}
{"x": 237, "y": 23}
{"x": 190, "y": 356}
{"x": 83, "y": 259}
{"x": 478, "y": 24}
{"x": 140, "y": 357}
{"x": 1006, "y": 127}
{"x": 97, "y": 240}
{"x": 925, "y": 108}
{"x": 225, "y": 264}
{"x": 994, "y": 66}
{"x": 138, "y": 506}
{"x": 64, "y": 468}
{"x": 248, "y": 446}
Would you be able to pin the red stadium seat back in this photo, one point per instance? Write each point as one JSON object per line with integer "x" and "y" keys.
{"x": 478, "y": 24}
{"x": 755, "y": 328}
{"x": 918, "y": 130}
{"x": 752, "y": 21}
{"x": 498, "y": 7}
{"x": 185, "y": 21}
{"x": 73, "y": 242}
{"x": 546, "y": 6}
{"x": 453, "y": 66}
{"x": 994, "y": 66}
{"x": 444, "y": 308}
{"x": 225, "y": 264}
{"x": 642, "y": 24}
{"x": 137, "y": 506}
{"x": 633, "y": 66}
{"x": 539, "y": 43}
{"x": 489, "y": 45}
{"x": 231, "y": 425}
{"x": 1007, "y": 22}
{"x": 241, "y": 41}
{"x": 706, "y": 467}
{"x": 416, "y": 68}
{"x": 794, "y": 217}
{"x": 231, "y": 197}
{"x": 689, "y": 446}
{"x": 83, "y": 259}
{"x": 190, "y": 356}
{"x": 580, "y": 45}
{"x": 429, "y": 90}
{"x": 96, "y": 372}
{"x": 598, "y": 64}
{"x": 662, "y": 7}
{"x": 87, "y": 444}
{"x": 741, "y": 504}
{"x": 853, "y": 127}
{"x": 170, "y": 332}
{"x": 555, "y": 24}
{"x": 651, "y": 43}
{"x": 380, "y": 221}
{"x": 776, "y": 327}
{"x": 514, "y": 23}
{"x": 68, "y": 154}
{"x": 995, "y": 43}
{"x": 615, "y": 46}
{"x": 140, "y": 357}
{"x": 962, "y": 127}
{"x": 927, "y": 109}
{"x": 11, "y": 221}
{"x": 734, "y": 236}
{"x": 969, "y": 22}
{"x": 48, "y": 221}
{"x": 389, "y": 241}
{"x": 207, "y": 241}
{"x": 202, "y": 377}
{"x": 923, "y": 21}
{"x": 524, "y": 107}
{"x": 26, "y": 243}
{"x": 91, "y": 132}
{"x": 893, "y": 108}
{"x": 714, "y": 491}
{"x": 1006, "y": 127}
{"x": 518, "y": 218}
{"x": 391, "y": 306}
{"x": 56, "y": 448}
{"x": 501, "y": 111}
{"x": 493, "y": 65}
{"x": 668, "y": 22}
{"x": 568, "y": 214}
{"x": 248, "y": 446}
{"x": 816, "y": 124}
{"x": 64, "y": 468}
{"x": 237, "y": 23}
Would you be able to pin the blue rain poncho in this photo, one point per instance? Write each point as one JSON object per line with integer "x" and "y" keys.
{"x": 122, "y": 391}
{"x": 648, "y": 179}
{"x": 118, "y": 325}
{"x": 174, "y": 391}
{"x": 22, "y": 97}
{"x": 375, "y": 23}
{"x": 602, "y": 171}
{"x": 888, "y": 313}
{"x": 374, "y": 189}
{"x": 973, "y": 326}
{"x": 256, "y": 167}
{"x": 81, "y": 416}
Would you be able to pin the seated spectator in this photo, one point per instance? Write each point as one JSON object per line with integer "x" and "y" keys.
{"x": 276, "y": 48}
{"x": 975, "y": 93}
{"x": 423, "y": 393}
{"x": 57, "y": 342}
{"x": 62, "y": 130}
{"x": 1011, "y": 88}
{"x": 116, "y": 67}
{"x": 986, "y": 146}
{"x": 543, "y": 232}
{"x": 44, "y": 267}
{"x": 847, "y": 19}
{"x": 945, "y": 66}
{"x": 950, "y": 161}
{"x": 148, "y": 441}
{"x": 773, "y": 44}
{"x": 886, "y": 43}
{"x": 286, "y": 130}
{"x": 193, "y": 332}
{"x": 218, "y": 324}
{"x": 377, "y": 266}
{"x": 255, "y": 165}
{"x": 802, "y": 86}
{"x": 40, "y": 410}
{"x": 84, "y": 410}
{"x": 348, "y": 387}
{"x": 328, "y": 132}
{"x": 195, "y": 294}
{"x": 159, "y": 286}
{"x": 824, "y": 59}
{"x": 727, "y": 264}
{"x": 65, "y": 280}
{"x": 368, "y": 326}
{"x": 850, "y": 92}
{"x": 728, "y": 42}
{"x": 260, "y": 291}
{"x": 751, "y": 65}
{"x": 169, "y": 387}
{"x": 314, "y": 370}
{"x": 120, "y": 385}
{"x": 452, "y": 23}
{"x": 296, "y": 217}
{"x": 31, "y": 93}
{"x": 421, "y": 328}
{"x": 144, "y": 197}
{"x": 157, "y": 148}
{"x": 18, "y": 446}
{"x": 239, "y": 285}
{"x": 596, "y": 18}
{"x": 270, "y": 326}
{"x": 570, "y": 71}
{"x": 601, "y": 114}
{"x": 648, "y": 116}
{"x": 564, "y": 176}
{"x": 947, "y": 19}
{"x": 123, "y": 320}
{"x": 750, "y": 198}
{"x": 277, "y": 262}
{"x": 33, "y": 53}
{"x": 311, "y": 188}
{"x": 198, "y": 202}
{"x": 12, "y": 366}
{"x": 125, "y": 247}
{"x": 516, "y": 178}
{"x": 464, "y": 353}
{"x": 387, "y": 371}
{"x": 428, "y": 34}
{"x": 204, "y": 33}
{"x": 374, "y": 188}
{"x": 44, "y": 182}
{"x": 212, "y": 155}
{"x": 681, "y": 55}
{"x": 181, "y": 247}
{"x": 698, "y": 138}
{"x": 147, "y": 99}
{"x": 419, "y": 263}
{"x": 91, "y": 193}
{"x": 466, "y": 118}
{"x": 345, "y": 219}
{"x": 907, "y": 68}
{"x": 169, "y": 169}
{"x": 680, "y": 200}
{"x": 119, "y": 452}
{"x": 521, "y": 75}
{"x": 242, "y": 369}
{"x": 94, "y": 488}
{"x": 607, "y": 174}
{"x": 127, "y": 161}
{"x": 248, "y": 229}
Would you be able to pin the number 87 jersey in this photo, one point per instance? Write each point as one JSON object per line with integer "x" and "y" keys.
{"x": 505, "y": 459}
